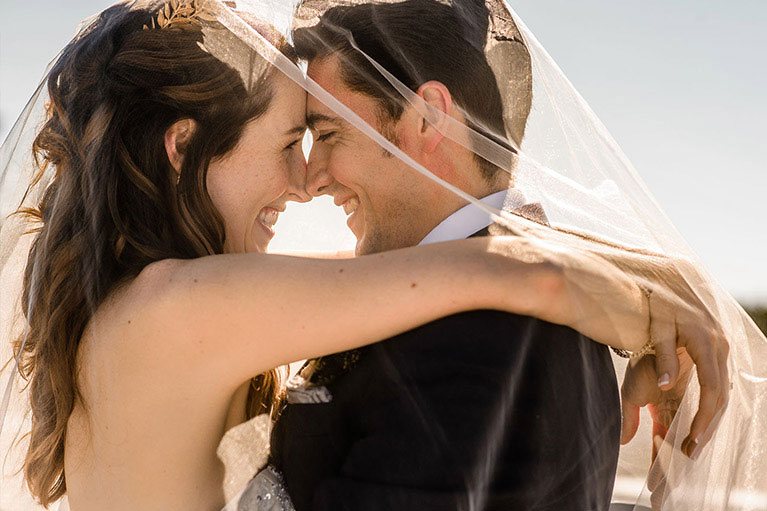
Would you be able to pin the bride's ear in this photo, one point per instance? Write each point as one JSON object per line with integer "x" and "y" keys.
{"x": 176, "y": 139}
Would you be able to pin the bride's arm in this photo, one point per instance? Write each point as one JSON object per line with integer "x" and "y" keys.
{"x": 341, "y": 254}
{"x": 233, "y": 316}
{"x": 595, "y": 270}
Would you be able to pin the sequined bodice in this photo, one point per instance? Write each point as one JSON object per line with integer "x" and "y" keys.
{"x": 250, "y": 485}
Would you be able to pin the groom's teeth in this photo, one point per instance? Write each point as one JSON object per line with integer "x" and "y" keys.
{"x": 268, "y": 217}
{"x": 351, "y": 205}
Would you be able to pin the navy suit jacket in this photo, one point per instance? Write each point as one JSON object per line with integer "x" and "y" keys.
{"x": 482, "y": 410}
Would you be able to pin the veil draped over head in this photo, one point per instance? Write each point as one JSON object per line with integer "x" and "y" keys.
{"x": 524, "y": 124}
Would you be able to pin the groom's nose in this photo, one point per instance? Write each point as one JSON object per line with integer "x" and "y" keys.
{"x": 318, "y": 179}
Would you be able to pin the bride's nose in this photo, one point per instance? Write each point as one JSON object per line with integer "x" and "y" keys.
{"x": 297, "y": 182}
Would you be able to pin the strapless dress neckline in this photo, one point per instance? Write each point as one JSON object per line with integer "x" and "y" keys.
{"x": 249, "y": 484}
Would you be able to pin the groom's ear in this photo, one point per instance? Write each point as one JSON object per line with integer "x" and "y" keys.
{"x": 437, "y": 104}
{"x": 177, "y": 138}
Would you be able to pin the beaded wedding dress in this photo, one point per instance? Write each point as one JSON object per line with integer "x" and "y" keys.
{"x": 244, "y": 451}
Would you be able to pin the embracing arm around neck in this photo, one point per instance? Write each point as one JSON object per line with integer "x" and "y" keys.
{"x": 225, "y": 318}
{"x": 228, "y": 317}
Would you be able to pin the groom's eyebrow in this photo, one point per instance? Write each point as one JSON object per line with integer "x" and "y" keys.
{"x": 314, "y": 118}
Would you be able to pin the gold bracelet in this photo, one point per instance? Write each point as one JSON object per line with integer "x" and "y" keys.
{"x": 649, "y": 345}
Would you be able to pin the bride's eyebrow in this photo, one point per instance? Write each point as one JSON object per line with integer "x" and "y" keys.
{"x": 295, "y": 130}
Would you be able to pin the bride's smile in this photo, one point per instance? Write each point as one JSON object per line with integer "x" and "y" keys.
{"x": 251, "y": 184}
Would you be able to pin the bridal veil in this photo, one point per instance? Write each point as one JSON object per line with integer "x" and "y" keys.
{"x": 536, "y": 128}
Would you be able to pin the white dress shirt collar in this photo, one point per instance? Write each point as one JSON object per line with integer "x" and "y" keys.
{"x": 470, "y": 219}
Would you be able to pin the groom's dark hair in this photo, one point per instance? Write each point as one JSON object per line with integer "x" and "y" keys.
{"x": 418, "y": 41}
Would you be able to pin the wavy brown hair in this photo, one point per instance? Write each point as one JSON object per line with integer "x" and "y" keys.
{"x": 115, "y": 204}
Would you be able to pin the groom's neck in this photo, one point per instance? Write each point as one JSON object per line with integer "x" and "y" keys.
{"x": 450, "y": 203}
{"x": 434, "y": 204}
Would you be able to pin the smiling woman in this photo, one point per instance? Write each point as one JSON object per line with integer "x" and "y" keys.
{"x": 251, "y": 184}
{"x": 104, "y": 132}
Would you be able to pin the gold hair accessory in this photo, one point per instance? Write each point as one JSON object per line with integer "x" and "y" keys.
{"x": 649, "y": 345}
{"x": 177, "y": 13}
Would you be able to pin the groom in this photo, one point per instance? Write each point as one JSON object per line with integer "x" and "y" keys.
{"x": 481, "y": 410}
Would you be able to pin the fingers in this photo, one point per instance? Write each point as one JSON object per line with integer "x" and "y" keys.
{"x": 664, "y": 335}
{"x": 657, "y": 473}
{"x": 639, "y": 388}
{"x": 721, "y": 407}
{"x": 703, "y": 418}
{"x": 709, "y": 351}
{"x": 659, "y": 432}
{"x": 630, "y": 421}
{"x": 710, "y": 390}
{"x": 656, "y": 478}
{"x": 657, "y": 497}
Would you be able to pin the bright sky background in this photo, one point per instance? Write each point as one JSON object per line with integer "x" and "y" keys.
{"x": 680, "y": 84}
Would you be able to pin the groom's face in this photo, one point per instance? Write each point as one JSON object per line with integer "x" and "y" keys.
{"x": 380, "y": 194}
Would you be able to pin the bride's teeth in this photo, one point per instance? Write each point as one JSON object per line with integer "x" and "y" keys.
{"x": 351, "y": 205}
{"x": 268, "y": 217}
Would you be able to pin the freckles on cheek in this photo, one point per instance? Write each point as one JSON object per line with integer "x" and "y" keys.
{"x": 274, "y": 182}
{"x": 229, "y": 196}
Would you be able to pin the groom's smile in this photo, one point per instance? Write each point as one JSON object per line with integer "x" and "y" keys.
{"x": 350, "y": 207}
{"x": 380, "y": 194}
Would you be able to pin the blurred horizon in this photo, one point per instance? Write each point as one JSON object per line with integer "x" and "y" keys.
{"x": 679, "y": 86}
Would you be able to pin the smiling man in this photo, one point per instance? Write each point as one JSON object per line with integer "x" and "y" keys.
{"x": 388, "y": 203}
{"x": 481, "y": 410}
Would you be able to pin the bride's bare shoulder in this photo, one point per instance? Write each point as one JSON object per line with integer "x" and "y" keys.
{"x": 125, "y": 323}
{"x": 136, "y": 295}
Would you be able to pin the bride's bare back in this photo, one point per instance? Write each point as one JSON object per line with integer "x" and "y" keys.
{"x": 140, "y": 439}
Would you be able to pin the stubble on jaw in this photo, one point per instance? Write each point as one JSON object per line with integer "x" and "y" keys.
{"x": 394, "y": 231}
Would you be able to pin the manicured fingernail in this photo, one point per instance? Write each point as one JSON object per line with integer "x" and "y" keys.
{"x": 665, "y": 379}
{"x": 695, "y": 453}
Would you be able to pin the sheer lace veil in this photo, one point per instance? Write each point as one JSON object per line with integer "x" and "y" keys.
{"x": 529, "y": 125}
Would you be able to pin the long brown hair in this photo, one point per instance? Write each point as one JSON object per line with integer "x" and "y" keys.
{"x": 115, "y": 204}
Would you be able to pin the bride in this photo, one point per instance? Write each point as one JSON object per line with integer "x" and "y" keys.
{"x": 162, "y": 167}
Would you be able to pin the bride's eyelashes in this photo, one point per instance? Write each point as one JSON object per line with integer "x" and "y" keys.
{"x": 292, "y": 145}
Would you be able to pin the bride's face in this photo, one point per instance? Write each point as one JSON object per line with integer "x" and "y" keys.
{"x": 251, "y": 184}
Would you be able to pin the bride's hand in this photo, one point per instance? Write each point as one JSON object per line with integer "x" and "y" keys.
{"x": 575, "y": 288}
{"x": 640, "y": 389}
{"x": 684, "y": 333}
